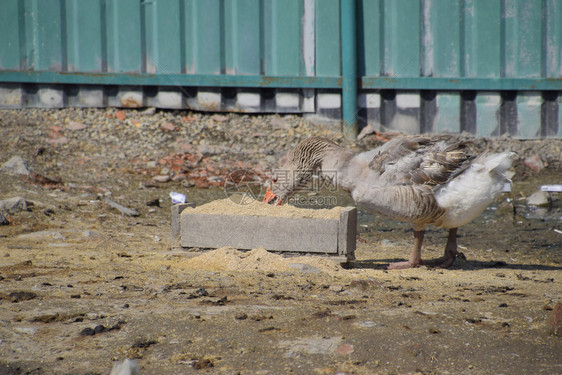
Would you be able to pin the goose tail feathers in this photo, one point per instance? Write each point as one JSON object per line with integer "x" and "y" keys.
{"x": 494, "y": 163}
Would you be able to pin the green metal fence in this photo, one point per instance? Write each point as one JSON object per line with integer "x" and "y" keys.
{"x": 489, "y": 67}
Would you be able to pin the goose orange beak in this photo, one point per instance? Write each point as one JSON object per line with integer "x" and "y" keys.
{"x": 271, "y": 198}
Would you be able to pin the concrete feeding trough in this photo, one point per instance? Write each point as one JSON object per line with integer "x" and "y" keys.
{"x": 283, "y": 229}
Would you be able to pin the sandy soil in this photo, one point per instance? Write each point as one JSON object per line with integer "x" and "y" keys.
{"x": 83, "y": 286}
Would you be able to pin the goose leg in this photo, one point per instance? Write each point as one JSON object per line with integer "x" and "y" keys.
{"x": 415, "y": 257}
{"x": 450, "y": 255}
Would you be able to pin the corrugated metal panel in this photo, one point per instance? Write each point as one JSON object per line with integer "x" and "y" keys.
{"x": 185, "y": 43}
{"x": 489, "y": 67}
{"x": 482, "y": 49}
{"x": 491, "y": 56}
{"x": 10, "y": 41}
{"x": 400, "y": 38}
{"x": 328, "y": 38}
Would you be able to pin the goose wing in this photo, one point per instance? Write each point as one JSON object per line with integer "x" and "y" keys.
{"x": 421, "y": 161}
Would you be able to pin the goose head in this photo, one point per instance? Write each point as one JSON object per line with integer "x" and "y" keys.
{"x": 303, "y": 161}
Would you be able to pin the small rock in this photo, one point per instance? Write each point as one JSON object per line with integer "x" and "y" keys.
{"x": 367, "y": 130}
{"x": 335, "y": 288}
{"x": 92, "y": 316}
{"x": 149, "y": 111}
{"x": 168, "y": 126}
{"x": 369, "y": 324}
{"x": 366, "y": 284}
{"x": 56, "y": 128}
{"x": 268, "y": 329}
{"x": 90, "y": 233}
{"x": 304, "y": 268}
{"x": 183, "y": 147}
{"x": 386, "y": 242}
{"x": 153, "y": 203}
{"x": 87, "y": 332}
{"x": 126, "y": 367}
{"x": 312, "y": 345}
{"x": 120, "y": 115}
{"x": 161, "y": 178}
{"x": 538, "y": 198}
{"x": 144, "y": 343}
{"x": 201, "y": 292}
{"x": 16, "y": 165}
{"x": 241, "y": 316}
{"x": 219, "y": 118}
{"x": 26, "y": 330}
{"x": 124, "y": 210}
{"x": 75, "y": 125}
{"x": 345, "y": 349}
{"x": 220, "y": 302}
{"x": 12, "y": 205}
{"x": 58, "y": 141}
{"x": 205, "y": 150}
{"x": 534, "y": 163}
{"x": 260, "y": 317}
{"x": 44, "y": 234}
{"x": 101, "y": 329}
{"x": 279, "y": 123}
{"x": 47, "y": 318}
{"x": 473, "y": 320}
{"x": 203, "y": 363}
{"x": 210, "y": 150}
{"x": 19, "y": 296}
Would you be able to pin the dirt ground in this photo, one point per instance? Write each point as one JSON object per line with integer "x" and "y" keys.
{"x": 83, "y": 285}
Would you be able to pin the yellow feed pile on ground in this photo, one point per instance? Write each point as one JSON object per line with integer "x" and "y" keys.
{"x": 256, "y": 208}
{"x": 230, "y": 259}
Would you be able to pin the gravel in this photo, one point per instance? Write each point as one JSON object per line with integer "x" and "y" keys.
{"x": 96, "y": 139}
{"x": 104, "y": 150}
{"x": 145, "y": 136}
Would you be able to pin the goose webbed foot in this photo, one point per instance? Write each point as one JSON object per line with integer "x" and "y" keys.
{"x": 450, "y": 254}
{"x": 415, "y": 257}
{"x": 442, "y": 262}
{"x": 415, "y": 260}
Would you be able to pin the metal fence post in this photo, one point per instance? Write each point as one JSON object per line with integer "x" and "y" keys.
{"x": 349, "y": 67}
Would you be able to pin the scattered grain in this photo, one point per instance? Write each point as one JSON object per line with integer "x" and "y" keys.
{"x": 230, "y": 259}
{"x": 255, "y": 208}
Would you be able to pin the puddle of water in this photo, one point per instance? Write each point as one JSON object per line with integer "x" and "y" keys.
{"x": 541, "y": 213}
{"x": 550, "y": 213}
